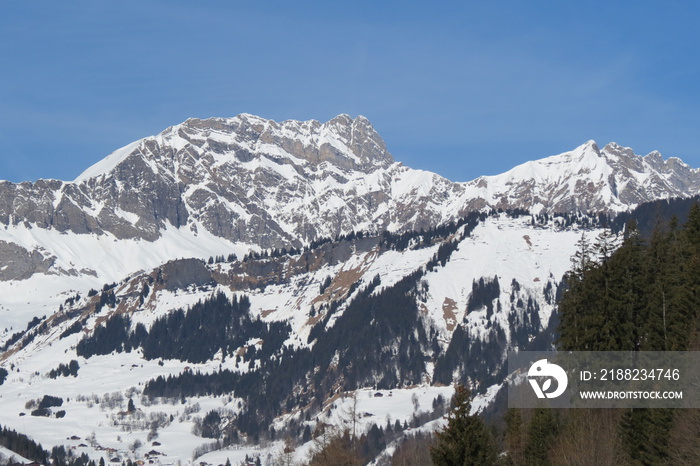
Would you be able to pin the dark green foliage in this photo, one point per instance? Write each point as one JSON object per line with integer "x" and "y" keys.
{"x": 364, "y": 337}
{"x": 642, "y": 297}
{"x": 64, "y": 370}
{"x": 650, "y": 215}
{"x": 112, "y": 336}
{"x": 466, "y": 440}
{"x": 23, "y": 445}
{"x": 211, "y": 425}
{"x": 483, "y": 294}
{"x": 326, "y": 283}
{"x": 196, "y": 335}
{"x": 13, "y": 339}
{"x": 514, "y": 436}
{"x": 542, "y": 433}
{"x": 461, "y": 354}
{"x": 645, "y": 434}
{"x": 192, "y": 384}
{"x": 452, "y": 358}
{"x": 3, "y": 375}
{"x": 401, "y": 241}
{"x": 379, "y": 340}
{"x": 49, "y": 401}
{"x": 60, "y": 455}
{"x": 366, "y": 332}
{"x": 206, "y": 328}
{"x": 372, "y": 443}
{"x": 107, "y": 298}
{"x": 34, "y": 327}
{"x": 566, "y": 220}
{"x": 82, "y": 460}
{"x": 34, "y": 322}
{"x": 137, "y": 336}
{"x": 443, "y": 254}
{"x": 526, "y": 330}
{"x": 638, "y": 298}
{"x": 76, "y": 327}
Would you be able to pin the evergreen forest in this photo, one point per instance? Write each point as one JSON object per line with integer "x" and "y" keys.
{"x": 640, "y": 295}
{"x": 638, "y": 290}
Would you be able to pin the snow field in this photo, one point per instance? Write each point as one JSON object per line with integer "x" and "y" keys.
{"x": 496, "y": 247}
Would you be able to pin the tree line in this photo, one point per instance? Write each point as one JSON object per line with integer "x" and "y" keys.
{"x": 194, "y": 335}
{"x": 641, "y": 295}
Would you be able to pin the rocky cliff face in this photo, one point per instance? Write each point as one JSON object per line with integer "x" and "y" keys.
{"x": 587, "y": 179}
{"x": 402, "y": 312}
{"x": 245, "y": 179}
{"x": 265, "y": 184}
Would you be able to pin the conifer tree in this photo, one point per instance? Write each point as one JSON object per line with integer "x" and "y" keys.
{"x": 542, "y": 432}
{"x": 626, "y": 293}
{"x": 515, "y": 436}
{"x": 645, "y": 434}
{"x": 466, "y": 439}
{"x": 641, "y": 297}
{"x": 576, "y": 303}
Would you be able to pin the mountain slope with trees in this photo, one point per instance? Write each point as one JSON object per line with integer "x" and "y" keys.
{"x": 642, "y": 296}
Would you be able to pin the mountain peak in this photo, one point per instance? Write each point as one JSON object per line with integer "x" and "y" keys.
{"x": 616, "y": 150}
{"x": 274, "y": 184}
{"x": 242, "y": 178}
{"x": 587, "y": 179}
{"x": 346, "y": 143}
{"x": 591, "y": 145}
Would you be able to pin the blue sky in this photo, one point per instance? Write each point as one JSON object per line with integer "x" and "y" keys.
{"x": 459, "y": 88}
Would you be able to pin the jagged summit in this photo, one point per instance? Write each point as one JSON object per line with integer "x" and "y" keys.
{"x": 587, "y": 178}
{"x": 245, "y": 179}
{"x": 402, "y": 315}
{"x": 257, "y": 183}
{"x": 344, "y": 142}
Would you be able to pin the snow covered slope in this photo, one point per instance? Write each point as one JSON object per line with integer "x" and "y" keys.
{"x": 525, "y": 260}
{"x": 435, "y": 290}
{"x": 258, "y": 183}
{"x": 588, "y": 179}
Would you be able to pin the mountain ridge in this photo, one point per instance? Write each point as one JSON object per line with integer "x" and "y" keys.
{"x": 257, "y": 181}
{"x": 255, "y": 129}
{"x": 427, "y": 283}
{"x": 402, "y": 314}
{"x": 247, "y": 183}
{"x": 612, "y": 179}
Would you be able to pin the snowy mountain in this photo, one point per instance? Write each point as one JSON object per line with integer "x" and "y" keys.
{"x": 245, "y": 179}
{"x": 445, "y": 305}
{"x": 249, "y": 183}
{"x": 586, "y": 179}
{"x": 210, "y": 187}
{"x": 334, "y": 270}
